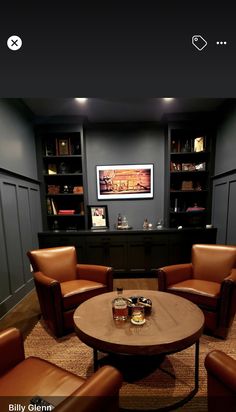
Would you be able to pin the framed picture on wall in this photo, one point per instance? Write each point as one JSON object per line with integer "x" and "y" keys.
{"x": 125, "y": 181}
{"x": 98, "y": 217}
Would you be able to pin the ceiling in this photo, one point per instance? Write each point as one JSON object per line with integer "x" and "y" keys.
{"x": 116, "y": 110}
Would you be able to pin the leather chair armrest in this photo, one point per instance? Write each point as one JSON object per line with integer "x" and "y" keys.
{"x": 227, "y": 301}
{"x": 43, "y": 279}
{"x": 232, "y": 276}
{"x": 99, "y": 393}
{"x": 221, "y": 366}
{"x": 169, "y": 275}
{"x": 11, "y": 349}
{"x": 50, "y": 300}
{"x": 97, "y": 273}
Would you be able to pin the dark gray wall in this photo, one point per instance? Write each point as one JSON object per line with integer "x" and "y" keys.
{"x": 224, "y": 182}
{"x": 127, "y": 144}
{"x": 225, "y": 155}
{"x": 17, "y": 144}
{"x": 20, "y": 213}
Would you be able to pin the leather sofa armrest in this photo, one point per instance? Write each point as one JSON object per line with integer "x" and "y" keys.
{"x": 11, "y": 349}
{"x": 99, "y": 393}
{"x": 172, "y": 274}
{"x": 96, "y": 273}
{"x": 222, "y": 367}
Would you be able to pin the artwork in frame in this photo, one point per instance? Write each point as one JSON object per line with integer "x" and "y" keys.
{"x": 98, "y": 217}
{"x": 125, "y": 181}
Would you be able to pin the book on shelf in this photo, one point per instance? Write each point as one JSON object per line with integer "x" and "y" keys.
{"x": 54, "y": 210}
{"x": 66, "y": 212}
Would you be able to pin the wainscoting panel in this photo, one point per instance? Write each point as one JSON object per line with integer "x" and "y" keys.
{"x": 223, "y": 207}
{"x": 20, "y": 221}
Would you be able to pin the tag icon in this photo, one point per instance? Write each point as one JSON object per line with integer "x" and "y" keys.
{"x": 199, "y": 42}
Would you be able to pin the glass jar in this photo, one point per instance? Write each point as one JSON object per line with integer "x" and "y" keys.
{"x": 120, "y": 306}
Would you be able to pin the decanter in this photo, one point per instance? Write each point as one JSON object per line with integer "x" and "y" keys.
{"x": 119, "y": 306}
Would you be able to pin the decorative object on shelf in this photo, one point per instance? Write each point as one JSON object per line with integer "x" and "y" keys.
{"x": 199, "y": 144}
{"x": 188, "y": 167}
{"x": 55, "y": 226}
{"x": 50, "y": 148}
{"x": 124, "y": 223}
{"x": 63, "y": 147}
{"x": 78, "y": 190}
{"x": 63, "y": 168}
{"x": 145, "y": 223}
{"x": 119, "y": 221}
{"x": 64, "y": 189}
{"x": 187, "y": 185}
{"x": 201, "y": 166}
{"x": 176, "y": 205}
{"x": 125, "y": 181}
{"x": 186, "y": 147}
{"x": 159, "y": 224}
{"x": 98, "y": 217}
{"x": 175, "y": 167}
{"x": 195, "y": 208}
{"x": 52, "y": 169}
{"x": 53, "y": 189}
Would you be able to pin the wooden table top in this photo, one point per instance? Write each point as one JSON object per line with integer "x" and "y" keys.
{"x": 174, "y": 324}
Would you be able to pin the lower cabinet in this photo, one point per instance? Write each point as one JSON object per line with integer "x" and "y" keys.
{"x": 131, "y": 253}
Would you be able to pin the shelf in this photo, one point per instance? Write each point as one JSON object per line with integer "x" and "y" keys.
{"x": 189, "y": 191}
{"x": 55, "y": 157}
{"x": 179, "y": 172}
{"x": 63, "y": 174}
{"x": 189, "y": 153}
{"x": 64, "y": 194}
{"x": 72, "y": 215}
{"x": 188, "y": 213}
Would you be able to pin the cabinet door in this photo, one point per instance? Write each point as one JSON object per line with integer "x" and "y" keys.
{"x": 108, "y": 251}
{"x": 157, "y": 254}
{"x": 137, "y": 254}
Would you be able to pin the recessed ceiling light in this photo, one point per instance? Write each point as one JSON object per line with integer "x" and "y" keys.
{"x": 81, "y": 99}
{"x": 168, "y": 99}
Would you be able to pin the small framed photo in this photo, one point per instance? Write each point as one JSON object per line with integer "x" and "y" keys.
{"x": 63, "y": 147}
{"x": 98, "y": 217}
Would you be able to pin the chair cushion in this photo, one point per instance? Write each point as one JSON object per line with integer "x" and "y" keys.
{"x": 77, "y": 291}
{"x": 35, "y": 376}
{"x": 200, "y": 292}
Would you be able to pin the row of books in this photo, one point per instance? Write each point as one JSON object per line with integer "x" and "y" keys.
{"x": 52, "y": 210}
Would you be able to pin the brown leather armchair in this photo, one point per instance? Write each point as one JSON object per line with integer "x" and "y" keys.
{"x": 22, "y": 379}
{"x": 62, "y": 284}
{"x": 209, "y": 281}
{"x": 221, "y": 382}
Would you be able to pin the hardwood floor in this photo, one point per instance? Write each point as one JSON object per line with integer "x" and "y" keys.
{"x": 26, "y": 313}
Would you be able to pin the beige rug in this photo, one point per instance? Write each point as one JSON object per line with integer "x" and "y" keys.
{"x": 158, "y": 389}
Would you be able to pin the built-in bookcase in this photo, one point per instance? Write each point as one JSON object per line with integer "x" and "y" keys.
{"x": 63, "y": 178}
{"x": 189, "y": 169}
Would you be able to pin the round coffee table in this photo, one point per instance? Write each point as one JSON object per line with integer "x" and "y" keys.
{"x": 174, "y": 325}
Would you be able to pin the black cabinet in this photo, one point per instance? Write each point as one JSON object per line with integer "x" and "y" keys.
{"x": 131, "y": 253}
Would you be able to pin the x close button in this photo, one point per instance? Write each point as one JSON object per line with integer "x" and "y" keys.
{"x": 14, "y": 43}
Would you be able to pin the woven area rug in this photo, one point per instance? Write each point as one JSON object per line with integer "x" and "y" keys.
{"x": 156, "y": 388}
